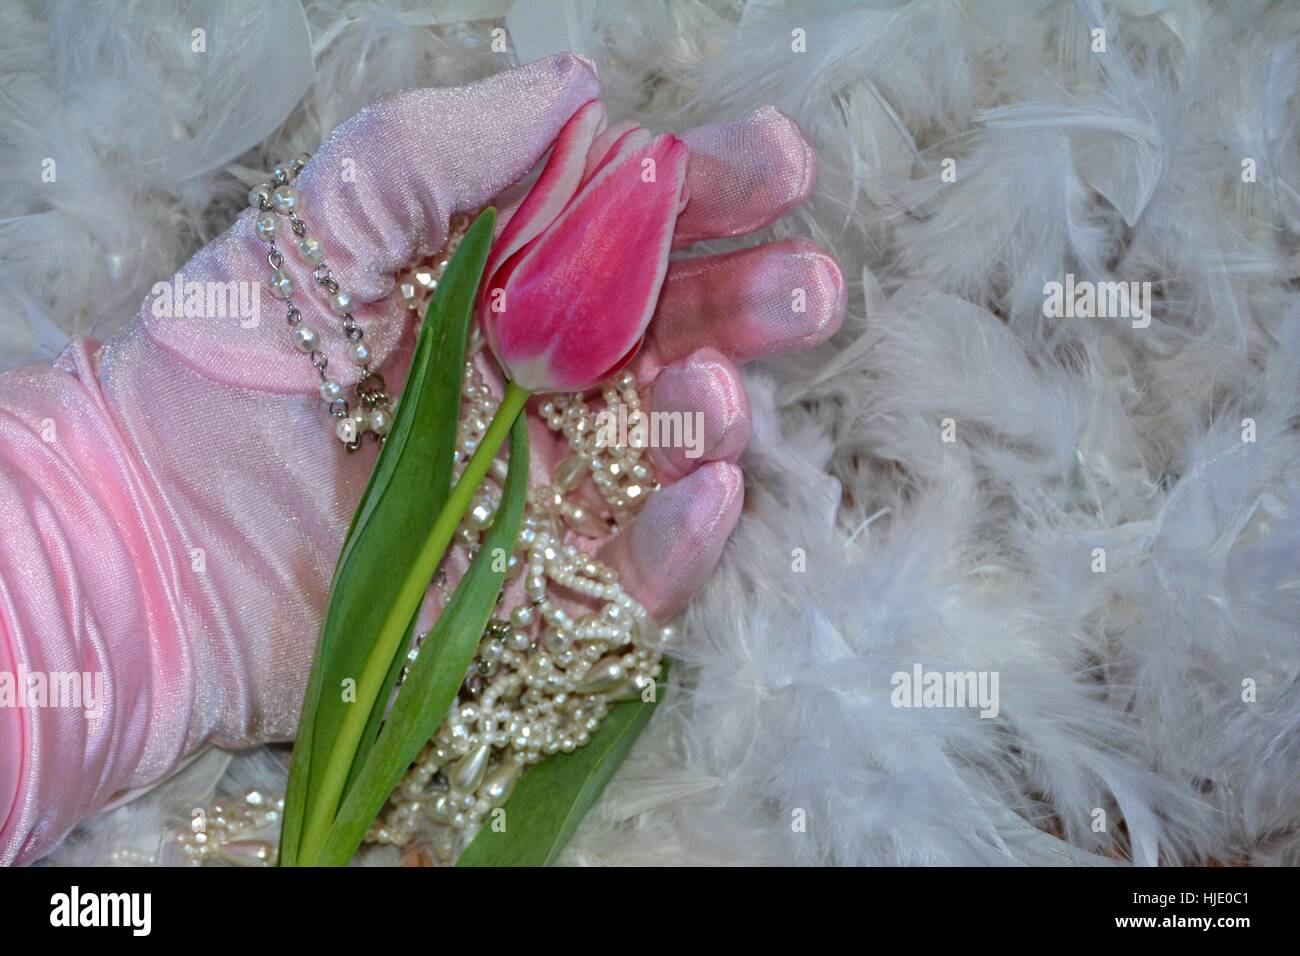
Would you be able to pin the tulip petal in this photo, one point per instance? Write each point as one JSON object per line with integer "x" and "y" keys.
{"x": 579, "y": 297}
{"x": 634, "y": 138}
{"x": 600, "y": 146}
{"x": 559, "y": 181}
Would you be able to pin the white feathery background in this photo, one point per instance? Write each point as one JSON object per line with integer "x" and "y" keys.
{"x": 1120, "y": 690}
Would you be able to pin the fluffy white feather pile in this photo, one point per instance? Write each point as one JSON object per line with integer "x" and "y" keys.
{"x": 1128, "y": 691}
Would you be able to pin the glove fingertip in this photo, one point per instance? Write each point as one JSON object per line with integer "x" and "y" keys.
{"x": 670, "y": 551}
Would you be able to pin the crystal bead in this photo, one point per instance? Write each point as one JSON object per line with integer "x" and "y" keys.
{"x": 570, "y": 472}
{"x": 480, "y": 515}
{"x": 348, "y": 430}
{"x": 266, "y": 224}
{"x": 281, "y": 284}
{"x": 409, "y": 291}
{"x": 305, "y": 337}
{"x": 285, "y": 199}
{"x": 469, "y": 771}
{"x": 501, "y": 781}
{"x": 425, "y": 278}
{"x": 259, "y": 194}
{"x": 311, "y": 251}
{"x": 380, "y": 421}
{"x": 584, "y": 521}
{"x": 246, "y": 852}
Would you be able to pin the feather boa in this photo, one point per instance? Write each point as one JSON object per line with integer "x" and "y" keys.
{"x": 1161, "y": 693}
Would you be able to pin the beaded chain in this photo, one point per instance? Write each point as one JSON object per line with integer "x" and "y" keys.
{"x": 371, "y": 411}
{"x": 543, "y": 677}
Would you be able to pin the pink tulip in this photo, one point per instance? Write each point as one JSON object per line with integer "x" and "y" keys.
{"x": 574, "y": 277}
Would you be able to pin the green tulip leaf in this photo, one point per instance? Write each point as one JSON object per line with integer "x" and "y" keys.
{"x": 429, "y": 691}
{"x": 552, "y": 797}
{"x": 407, "y": 491}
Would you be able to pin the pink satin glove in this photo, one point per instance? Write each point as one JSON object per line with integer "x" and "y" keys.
{"x": 172, "y": 503}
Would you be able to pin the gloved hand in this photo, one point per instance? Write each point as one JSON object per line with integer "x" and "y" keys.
{"x": 172, "y": 503}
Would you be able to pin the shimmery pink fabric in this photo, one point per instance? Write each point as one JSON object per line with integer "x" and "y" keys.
{"x": 677, "y": 538}
{"x": 172, "y": 503}
{"x": 734, "y": 192}
{"x": 179, "y": 532}
{"x": 775, "y": 298}
{"x": 704, "y": 382}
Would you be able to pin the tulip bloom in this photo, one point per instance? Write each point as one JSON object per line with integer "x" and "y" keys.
{"x": 574, "y": 277}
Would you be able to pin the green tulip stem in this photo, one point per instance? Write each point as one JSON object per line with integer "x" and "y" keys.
{"x": 325, "y": 802}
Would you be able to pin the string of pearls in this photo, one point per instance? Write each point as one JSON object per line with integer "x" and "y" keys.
{"x": 417, "y": 284}
{"x": 279, "y": 201}
{"x": 620, "y": 475}
{"x": 232, "y": 831}
{"x": 543, "y": 677}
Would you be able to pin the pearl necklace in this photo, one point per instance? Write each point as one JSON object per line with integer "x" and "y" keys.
{"x": 542, "y": 679}
{"x": 371, "y": 409}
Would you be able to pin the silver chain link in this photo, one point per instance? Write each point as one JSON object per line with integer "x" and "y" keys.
{"x": 370, "y": 410}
